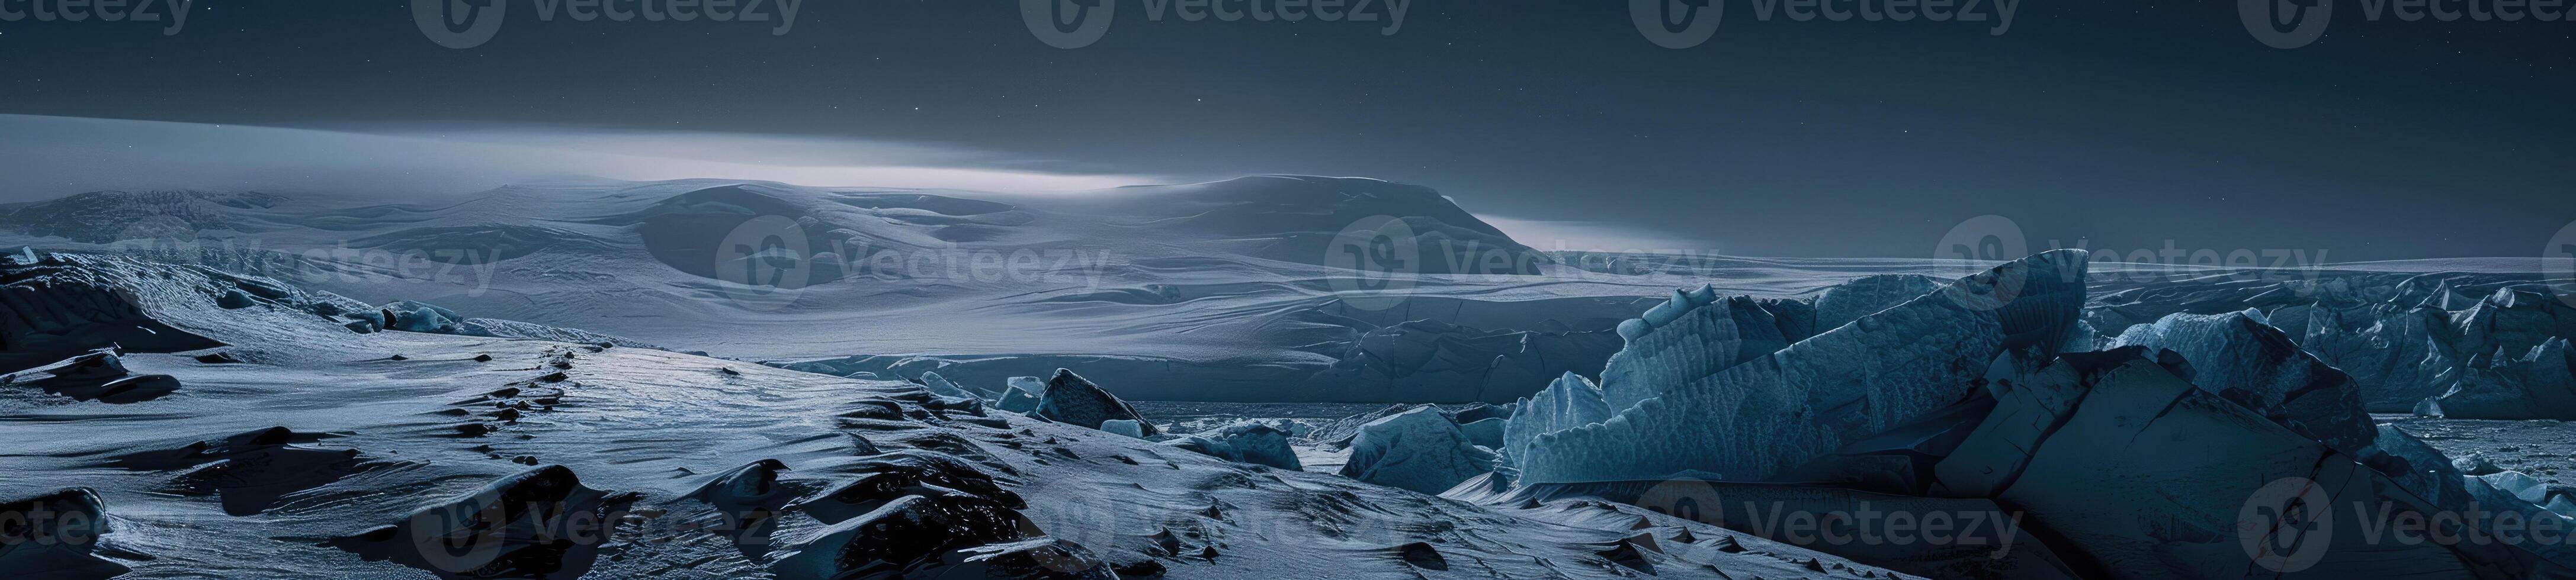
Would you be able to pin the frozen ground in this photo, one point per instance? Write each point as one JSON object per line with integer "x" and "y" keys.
{"x": 381, "y": 426}
{"x": 1228, "y": 294}
{"x": 1244, "y": 290}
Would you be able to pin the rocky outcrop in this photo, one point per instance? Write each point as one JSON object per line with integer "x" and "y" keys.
{"x": 97, "y": 376}
{"x": 539, "y": 522}
{"x": 921, "y": 514}
{"x": 250, "y": 472}
{"x": 64, "y": 305}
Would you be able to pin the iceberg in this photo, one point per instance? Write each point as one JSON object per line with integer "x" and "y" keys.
{"x": 2424, "y": 339}
{"x": 1754, "y": 419}
{"x": 889, "y": 479}
{"x": 1867, "y": 295}
{"x": 1127, "y": 427}
{"x": 2146, "y": 472}
{"x": 1695, "y": 334}
{"x": 1073, "y": 400}
{"x": 2537, "y": 385}
{"x": 1033, "y": 385}
{"x": 409, "y": 316}
{"x": 1569, "y": 402}
{"x": 2242, "y": 352}
{"x": 1487, "y": 433}
{"x": 1017, "y": 401}
{"x": 1419, "y": 450}
{"x": 941, "y": 386}
{"x": 1244, "y": 442}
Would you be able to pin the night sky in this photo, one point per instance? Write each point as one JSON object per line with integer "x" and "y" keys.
{"x": 2126, "y": 124}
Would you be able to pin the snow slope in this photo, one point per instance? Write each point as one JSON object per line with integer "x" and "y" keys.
{"x": 1169, "y": 292}
{"x": 301, "y": 448}
{"x": 1268, "y": 288}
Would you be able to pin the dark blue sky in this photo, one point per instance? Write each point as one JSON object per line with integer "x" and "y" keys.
{"x": 2123, "y": 123}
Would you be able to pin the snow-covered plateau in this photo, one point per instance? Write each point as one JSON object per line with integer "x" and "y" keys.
{"x": 708, "y": 379}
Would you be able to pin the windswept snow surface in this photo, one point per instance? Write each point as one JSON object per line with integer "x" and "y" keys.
{"x": 296, "y": 447}
{"x": 1234, "y": 290}
{"x": 1268, "y": 288}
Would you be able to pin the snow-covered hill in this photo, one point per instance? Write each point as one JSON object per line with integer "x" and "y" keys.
{"x": 1270, "y": 288}
{"x": 279, "y": 441}
{"x": 1217, "y": 291}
